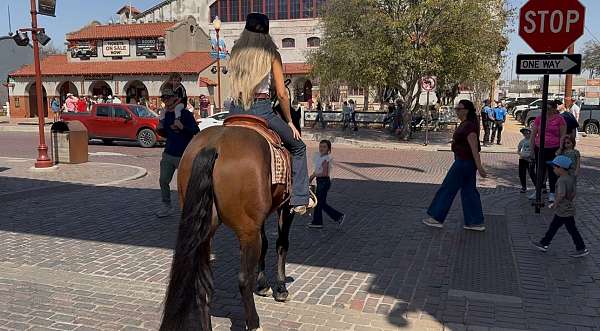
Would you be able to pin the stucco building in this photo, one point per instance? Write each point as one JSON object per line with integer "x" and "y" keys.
{"x": 294, "y": 26}
{"x": 132, "y": 61}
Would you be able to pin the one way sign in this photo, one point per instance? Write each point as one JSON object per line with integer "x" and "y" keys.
{"x": 548, "y": 64}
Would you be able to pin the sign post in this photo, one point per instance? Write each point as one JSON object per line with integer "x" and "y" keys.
{"x": 428, "y": 84}
{"x": 549, "y": 26}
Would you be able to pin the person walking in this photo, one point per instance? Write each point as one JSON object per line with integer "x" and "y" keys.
{"x": 487, "y": 121}
{"x": 323, "y": 170}
{"x": 576, "y": 111}
{"x": 526, "y": 164}
{"x": 178, "y": 135}
{"x": 556, "y": 128}
{"x": 55, "y": 106}
{"x": 462, "y": 174}
{"x": 564, "y": 208}
{"x": 352, "y": 106}
{"x": 499, "y": 119}
{"x": 345, "y": 115}
{"x": 570, "y": 120}
{"x": 319, "y": 120}
{"x": 71, "y": 103}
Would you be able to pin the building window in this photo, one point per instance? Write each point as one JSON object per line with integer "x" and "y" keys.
{"x": 235, "y": 11}
{"x": 213, "y": 12}
{"x": 270, "y": 9}
{"x": 320, "y": 6}
{"x": 307, "y": 8}
{"x": 294, "y": 9}
{"x": 223, "y": 11}
{"x": 313, "y": 42}
{"x": 257, "y": 6}
{"x": 288, "y": 43}
{"x": 283, "y": 10}
{"x": 356, "y": 90}
{"x": 245, "y": 9}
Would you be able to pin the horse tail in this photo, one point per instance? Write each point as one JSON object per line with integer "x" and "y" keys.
{"x": 191, "y": 284}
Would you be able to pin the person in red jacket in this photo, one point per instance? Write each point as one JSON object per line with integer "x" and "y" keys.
{"x": 81, "y": 105}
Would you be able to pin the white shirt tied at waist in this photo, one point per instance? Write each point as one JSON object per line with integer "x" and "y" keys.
{"x": 318, "y": 162}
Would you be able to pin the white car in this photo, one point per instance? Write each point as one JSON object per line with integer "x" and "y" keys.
{"x": 212, "y": 120}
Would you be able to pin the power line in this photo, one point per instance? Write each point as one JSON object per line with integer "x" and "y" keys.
{"x": 592, "y": 34}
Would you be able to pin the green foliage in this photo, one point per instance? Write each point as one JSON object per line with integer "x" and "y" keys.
{"x": 391, "y": 44}
{"x": 591, "y": 58}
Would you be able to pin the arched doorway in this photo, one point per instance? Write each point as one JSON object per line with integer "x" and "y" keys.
{"x": 303, "y": 89}
{"x": 308, "y": 91}
{"x": 64, "y": 89}
{"x": 33, "y": 111}
{"x": 135, "y": 91}
{"x": 100, "y": 88}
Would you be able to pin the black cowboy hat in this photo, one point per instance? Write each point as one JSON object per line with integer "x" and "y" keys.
{"x": 256, "y": 22}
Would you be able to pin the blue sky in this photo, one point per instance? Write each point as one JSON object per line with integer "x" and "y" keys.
{"x": 73, "y": 14}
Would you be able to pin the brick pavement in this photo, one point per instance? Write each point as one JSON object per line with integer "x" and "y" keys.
{"x": 102, "y": 263}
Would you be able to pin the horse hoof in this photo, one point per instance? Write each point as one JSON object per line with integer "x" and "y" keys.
{"x": 263, "y": 292}
{"x": 281, "y": 295}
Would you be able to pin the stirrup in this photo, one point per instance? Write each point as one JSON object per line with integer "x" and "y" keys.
{"x": 312, "y": 200}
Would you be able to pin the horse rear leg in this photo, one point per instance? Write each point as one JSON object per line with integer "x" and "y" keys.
{"x": 262, "y": 284}
{"x": 280, "y": 292}
{"x": 250, "y": 250}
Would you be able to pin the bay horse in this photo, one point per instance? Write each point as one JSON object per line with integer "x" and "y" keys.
{"x": 225, "y": 177}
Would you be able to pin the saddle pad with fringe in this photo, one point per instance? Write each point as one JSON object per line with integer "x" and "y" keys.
{"x": 281, "y": 173}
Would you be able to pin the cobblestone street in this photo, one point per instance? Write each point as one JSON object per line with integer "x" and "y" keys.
{"x": 86, "y": 256}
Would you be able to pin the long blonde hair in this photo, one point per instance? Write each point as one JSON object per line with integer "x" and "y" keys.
{"x": 250, "y": 63}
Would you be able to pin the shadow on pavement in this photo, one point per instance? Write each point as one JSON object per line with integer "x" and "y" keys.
{"x": 379, "y": 165}
{"x": 384, "y": 261}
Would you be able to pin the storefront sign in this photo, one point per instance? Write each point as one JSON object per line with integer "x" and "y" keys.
{"x": 84, "y": 49}
{"x": 150, "y": 47}
{"x": 114, "y": 48}
{"x": 47, "y": 7}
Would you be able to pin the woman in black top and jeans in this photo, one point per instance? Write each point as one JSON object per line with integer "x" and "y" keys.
{"x": 462, "y": 174}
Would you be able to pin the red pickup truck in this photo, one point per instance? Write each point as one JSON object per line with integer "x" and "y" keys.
{"x": 111, "y": 121}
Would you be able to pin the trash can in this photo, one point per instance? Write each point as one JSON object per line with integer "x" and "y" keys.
{"x": 69, "y": 142}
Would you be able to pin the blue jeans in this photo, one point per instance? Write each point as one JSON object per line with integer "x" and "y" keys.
{"x": 461, "y": 176}
{"x": 264, "y": 109}
{"x": 323, "y": 186}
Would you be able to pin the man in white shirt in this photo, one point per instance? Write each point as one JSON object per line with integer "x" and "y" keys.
{"x": 575, "y": 110}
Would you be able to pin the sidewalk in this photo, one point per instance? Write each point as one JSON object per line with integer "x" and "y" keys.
{"x": 18, "y": 176}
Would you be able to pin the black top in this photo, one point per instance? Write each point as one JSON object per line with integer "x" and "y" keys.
{"x": 177, "y": 140}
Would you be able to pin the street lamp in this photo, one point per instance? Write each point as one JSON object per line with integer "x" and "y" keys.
{"x": 217, "y": 25}
{"x": 37, "y": 35}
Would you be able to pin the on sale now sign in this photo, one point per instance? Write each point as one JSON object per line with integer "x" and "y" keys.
{"x": 114, "y": 48}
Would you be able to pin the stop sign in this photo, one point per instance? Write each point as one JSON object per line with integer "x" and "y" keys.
{"x": 551, "y": 25}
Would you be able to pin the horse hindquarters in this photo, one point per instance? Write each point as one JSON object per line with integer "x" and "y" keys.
{"x": 190, "y": 286}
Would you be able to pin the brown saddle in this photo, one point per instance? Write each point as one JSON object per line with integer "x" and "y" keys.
{"x": 280, "y": 157}
{"x": 257, "y": 124}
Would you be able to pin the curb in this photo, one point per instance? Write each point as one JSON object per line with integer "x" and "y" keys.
{"x": 141, "y": 172}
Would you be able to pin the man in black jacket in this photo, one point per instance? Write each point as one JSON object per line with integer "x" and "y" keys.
{"x": 178, "y": 135}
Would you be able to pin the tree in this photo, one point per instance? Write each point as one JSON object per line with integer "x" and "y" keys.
{"x": 50, "y": 49}
{"x": 591, "y": 58}
{"x": 390, "y": 44}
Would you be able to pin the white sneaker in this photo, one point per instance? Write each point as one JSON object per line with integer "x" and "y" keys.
{"x": 551, "y": 197}
{"x": 532, "y": 196}
{"x": 164, "y": 211}
{"x": 432, "y": 223}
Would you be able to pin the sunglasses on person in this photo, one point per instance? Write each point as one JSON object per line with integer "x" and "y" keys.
{"x": 459, "y": 108}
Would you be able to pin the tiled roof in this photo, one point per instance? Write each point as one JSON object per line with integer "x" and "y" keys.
{"x": 126, "y": 31}
{"x": 296, "y": 68}
{"x": 58, "y": 65}
{"x": 205, "y": 82}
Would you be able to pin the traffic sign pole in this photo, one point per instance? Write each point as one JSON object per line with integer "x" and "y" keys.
{"x": 540, "y": 178}
{"x": 427, "y": 120}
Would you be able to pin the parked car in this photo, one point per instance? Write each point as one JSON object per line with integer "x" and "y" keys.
{"x": 589, "y": 118}
{"x": 212, "y": 120}
{"x": 512, "y": 104}
{"x": 520, "y": 112}
{"x": 110, "y": 122}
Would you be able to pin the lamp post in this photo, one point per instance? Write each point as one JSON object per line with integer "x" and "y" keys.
{"x": 217, "y": 25}
{"x": 43, "y": 161}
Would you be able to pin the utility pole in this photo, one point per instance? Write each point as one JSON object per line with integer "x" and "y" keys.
{"x": 569, "y": 82}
